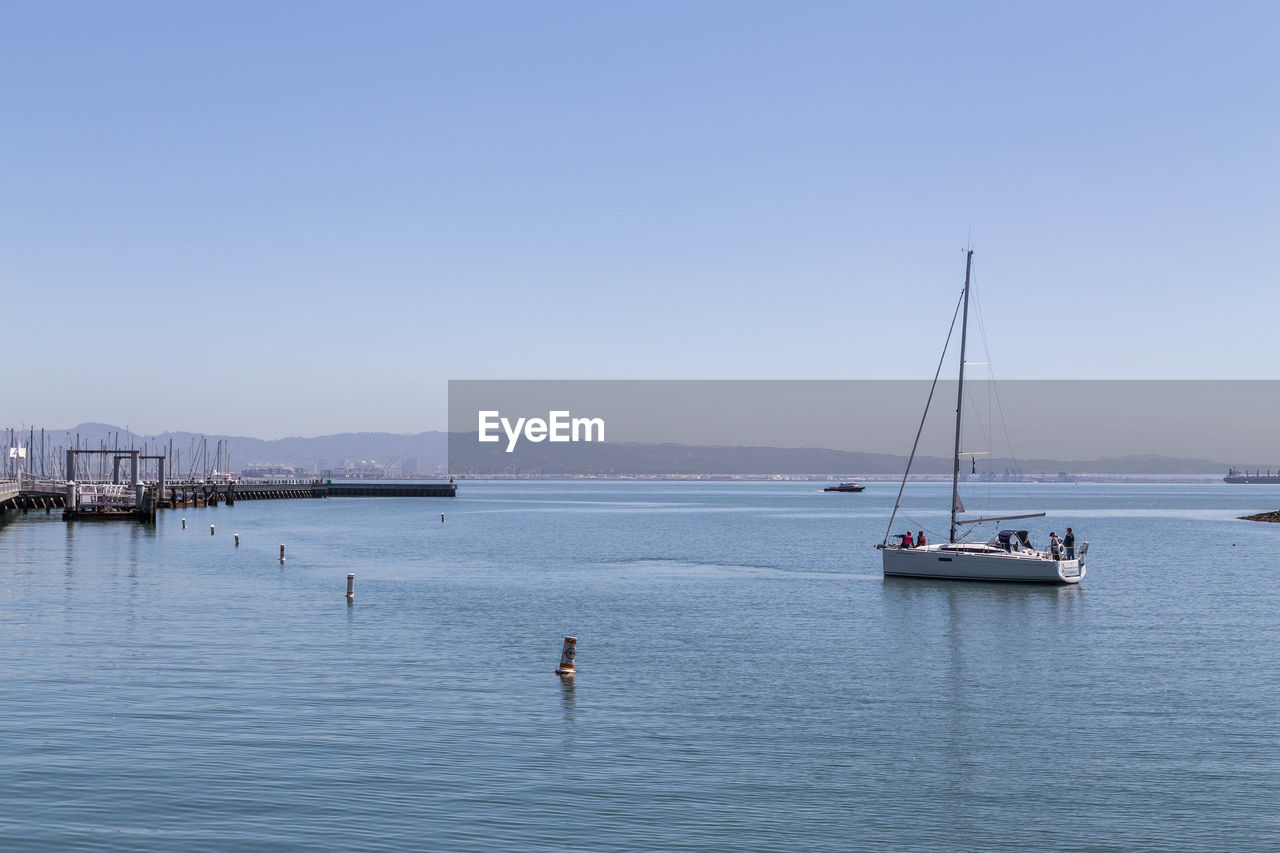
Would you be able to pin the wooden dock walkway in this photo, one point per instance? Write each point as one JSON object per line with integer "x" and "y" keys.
{"x": 10, "y": 491}
{"x": 203, "y": 493}
{"x": 30, "y": 493}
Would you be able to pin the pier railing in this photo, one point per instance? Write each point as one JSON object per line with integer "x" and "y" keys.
{"x": 32, "y": 491}
{"x": 105, "y": 496}
{"x": 32, "y": 483}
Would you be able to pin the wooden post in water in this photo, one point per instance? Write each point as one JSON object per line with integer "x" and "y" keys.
{"x": 351, "y": 586}
{"x": 282, "y": 553}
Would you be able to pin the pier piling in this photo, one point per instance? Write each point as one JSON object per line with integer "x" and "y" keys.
{"x": 351, "y": 586}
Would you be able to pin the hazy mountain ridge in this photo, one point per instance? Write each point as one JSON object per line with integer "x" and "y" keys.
{"x": 431, "y": 449}
{"x": 626, "y": 459}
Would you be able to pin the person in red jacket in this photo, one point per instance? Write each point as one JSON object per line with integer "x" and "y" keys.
{"x": 920, "y": 540}
{"x": 906, "y": 540}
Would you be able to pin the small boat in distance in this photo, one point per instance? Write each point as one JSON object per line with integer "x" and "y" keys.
{"x": 1010, "y": 555}
{"x": 844, "y": 487}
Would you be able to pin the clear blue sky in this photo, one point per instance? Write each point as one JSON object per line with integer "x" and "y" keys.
{"x": 304, "y": 218}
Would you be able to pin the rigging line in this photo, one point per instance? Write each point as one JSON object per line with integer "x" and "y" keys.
{"x": 915, "y": 525}
{"x": 995, "y": 386}
{"x": 973, "y": 402}
{"x": 916, "y": 443}
{"x": 991, "y": 381}
{"x": 982, "y": 433}
{"x": 995, "y": 392}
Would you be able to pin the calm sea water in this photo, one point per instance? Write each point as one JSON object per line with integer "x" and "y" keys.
{"x": 747, "y": 678}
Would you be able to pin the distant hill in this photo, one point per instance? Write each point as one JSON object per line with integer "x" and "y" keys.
{"x": 466, "y": 457}
{"x": 469, "y": 458}
{"x": 428, "y": 448}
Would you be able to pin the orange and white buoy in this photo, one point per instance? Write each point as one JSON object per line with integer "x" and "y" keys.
{"x": 567, "y": 655}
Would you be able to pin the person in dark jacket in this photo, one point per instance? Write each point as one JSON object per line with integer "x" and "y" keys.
{"x": 1069, "y": 542}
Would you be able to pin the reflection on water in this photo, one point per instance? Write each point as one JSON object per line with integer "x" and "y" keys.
{"x": 568, "y": 697}
{"x": 1008, "y": 593}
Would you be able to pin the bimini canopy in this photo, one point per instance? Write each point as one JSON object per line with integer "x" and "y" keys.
{"x": 1011, "y": 540}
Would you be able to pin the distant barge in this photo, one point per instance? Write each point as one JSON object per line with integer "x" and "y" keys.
{"x": 845, "y": 487}
{"x": 1234, "y": 476}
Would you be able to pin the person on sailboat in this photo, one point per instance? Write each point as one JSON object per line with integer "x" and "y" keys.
{"x": 1070, "y": 542}
{"x": 920, "y": 540}
{"x": 906, "y": 540}
{"x": 1055, "y": 545}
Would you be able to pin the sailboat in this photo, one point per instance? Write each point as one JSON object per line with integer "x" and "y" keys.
{"x": 1009, "y": 556}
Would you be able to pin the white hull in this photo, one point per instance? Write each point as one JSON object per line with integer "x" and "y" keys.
{"x": 979, "y": 563}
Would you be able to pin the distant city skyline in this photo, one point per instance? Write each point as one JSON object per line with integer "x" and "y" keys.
{"x": 301, "y": 219}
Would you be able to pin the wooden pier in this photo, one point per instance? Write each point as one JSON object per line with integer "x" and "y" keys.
{"x": 30, "y": 493}
{"x": 209, "y": 494}
{"x": 374, "y": 489}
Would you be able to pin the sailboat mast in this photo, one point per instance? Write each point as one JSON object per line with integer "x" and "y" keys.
{"x": 955, "y": 467}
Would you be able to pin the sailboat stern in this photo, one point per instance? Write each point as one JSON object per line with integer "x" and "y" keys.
{"x": 1071, "y": 571}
